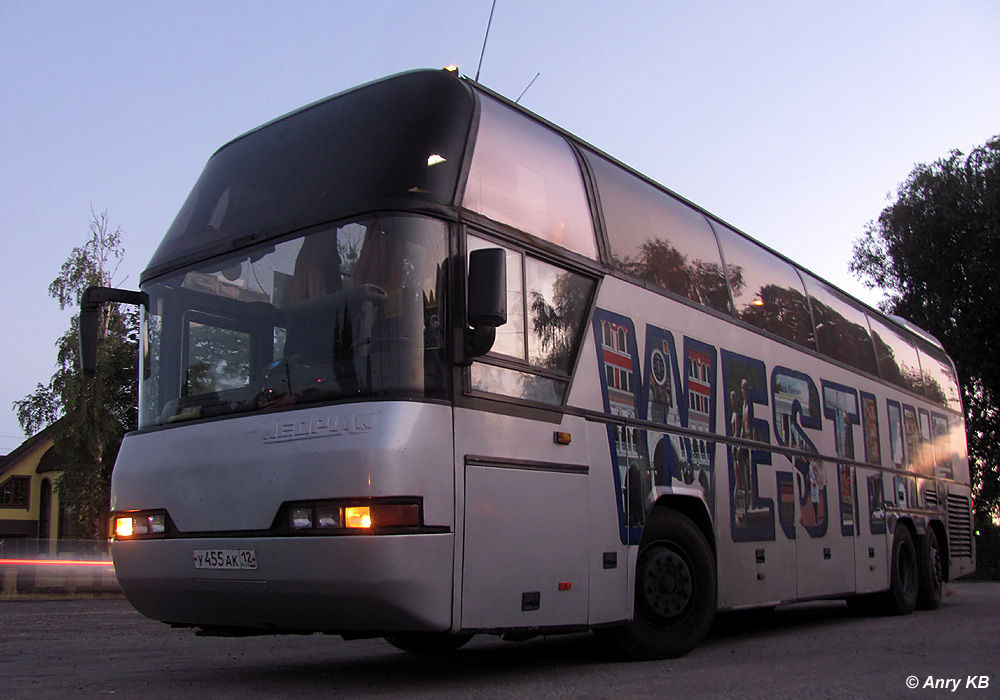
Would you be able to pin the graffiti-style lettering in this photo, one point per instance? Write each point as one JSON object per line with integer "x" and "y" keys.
{"x": 744, "y": 384}
{"x": 840, "y": 406}
{"x": 796, "y": 407}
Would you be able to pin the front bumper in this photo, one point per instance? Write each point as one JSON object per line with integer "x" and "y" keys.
{"x": 366, "y": 584}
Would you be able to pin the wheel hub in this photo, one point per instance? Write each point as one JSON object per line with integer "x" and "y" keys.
{"x": 667, "y": 583}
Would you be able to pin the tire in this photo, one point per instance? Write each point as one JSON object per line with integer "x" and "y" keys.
{"x": 428, "y": 643}
{"x": 675, "y": 591}
{"x": 931, "y": 572}
{"x": 901, "y": 598}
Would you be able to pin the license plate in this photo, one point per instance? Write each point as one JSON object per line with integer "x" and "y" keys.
{"x": 225, "y": 559}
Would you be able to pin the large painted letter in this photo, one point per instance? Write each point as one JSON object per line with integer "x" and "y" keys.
{"x": 688, "y": 403}
{"x": 618, "y": 360}
{"x": 796, "y": 407}
{"x": 744, "y": 384}
{"x": 840, "y": 405}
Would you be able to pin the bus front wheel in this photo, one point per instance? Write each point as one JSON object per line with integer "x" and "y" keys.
{"x": 675, "y": 591}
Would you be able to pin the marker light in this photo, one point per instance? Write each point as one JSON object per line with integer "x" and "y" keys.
{"x": 358, "y": 516}
{"x": 435, "y": 159}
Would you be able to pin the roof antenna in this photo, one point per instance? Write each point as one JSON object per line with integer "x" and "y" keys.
{"x": 485, "y": 39}
{"x": 518, "y": 100}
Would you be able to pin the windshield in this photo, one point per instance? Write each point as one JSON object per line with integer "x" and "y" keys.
{"x": 347, "y": 311}
{"x": 399, "y": 139}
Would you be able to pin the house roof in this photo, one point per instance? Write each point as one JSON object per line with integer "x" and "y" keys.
{"x": 27, "y": 446}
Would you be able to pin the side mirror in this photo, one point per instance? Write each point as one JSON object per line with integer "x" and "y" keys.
{"x": 487, "y": 294}
{"x": 90, "y": 319}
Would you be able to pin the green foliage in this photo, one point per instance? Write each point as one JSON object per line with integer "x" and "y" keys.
{"x": 933, "y": 252}
{"x": 91, "y": 415}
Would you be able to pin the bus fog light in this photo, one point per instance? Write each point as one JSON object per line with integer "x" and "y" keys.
{"x": 300, "y": 518}
{"x": 358, "y": 516}
{"x": 327, "y": 516}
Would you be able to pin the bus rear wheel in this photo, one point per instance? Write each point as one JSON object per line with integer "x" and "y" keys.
{"x": 901, "y": 598}
{"x": 675, "y": 591}
{"x": 931, "y": 570}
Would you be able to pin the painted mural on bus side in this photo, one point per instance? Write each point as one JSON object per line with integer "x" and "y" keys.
{"x": 675, "y": 381}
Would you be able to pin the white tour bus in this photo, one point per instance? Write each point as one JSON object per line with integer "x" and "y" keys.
{"x": 418, "y": 364}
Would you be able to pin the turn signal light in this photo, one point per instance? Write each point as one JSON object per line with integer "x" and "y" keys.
{"x": 358, "y": 516}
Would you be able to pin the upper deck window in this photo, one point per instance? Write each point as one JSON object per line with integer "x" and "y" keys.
{"x": 767, "y": 291}
{"x": 940, "y": 380}
{"x": 526, "y": 176}
{"x": 897, "y": 358}
{"x": 658, "y": 238}
{"x": 841, "y": 328}
{"x": 402, "y": 138}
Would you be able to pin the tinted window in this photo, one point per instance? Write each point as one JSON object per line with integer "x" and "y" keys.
{"x": 658, "y": 238}
{"x": 526, "y": 176}
{"x": 897, "y": 358}
{"x": 402, "y": 137}
{"x": 940, "y": 380}
{"x": 545, "y": 314}
{"x": 841, "y": 328}
{"x": 767, "y": 291}
{"x": 510, "y": 336}
{"x": 347, "y": 311}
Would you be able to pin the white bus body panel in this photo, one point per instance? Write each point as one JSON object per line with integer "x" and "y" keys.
{"x": 217, "y": 479}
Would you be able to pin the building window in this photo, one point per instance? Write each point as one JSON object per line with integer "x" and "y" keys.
{"x": 14, "y": 492}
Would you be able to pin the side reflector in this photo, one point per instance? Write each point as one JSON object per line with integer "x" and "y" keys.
{"x": 560, "y": 438}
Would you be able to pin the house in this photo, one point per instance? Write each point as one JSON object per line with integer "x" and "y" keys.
{"x": 31, "y": 519}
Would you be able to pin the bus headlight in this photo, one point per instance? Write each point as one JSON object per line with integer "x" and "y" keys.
{"x": 331, "y": 517}
{"x": 134, "y": 525}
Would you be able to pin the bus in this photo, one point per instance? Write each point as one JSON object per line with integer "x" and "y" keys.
{"x": 418, "y": 364}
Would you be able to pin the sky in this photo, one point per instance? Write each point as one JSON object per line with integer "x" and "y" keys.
{"x": 793, "y": 121}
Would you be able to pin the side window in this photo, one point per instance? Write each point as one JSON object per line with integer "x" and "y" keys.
{"x": 939, "y": 378}
{"x": 897, "y": 358}
{"x": 767, "y": 291}
{"x": 15, "y": 491}
{"x": 546, "y": 314}
{"x": 527, "y": 176}
{"x": 659, "y": 239}
{"x": 841, "y": 328}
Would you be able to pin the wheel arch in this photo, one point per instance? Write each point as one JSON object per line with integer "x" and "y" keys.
{"x": 695, "y": 510}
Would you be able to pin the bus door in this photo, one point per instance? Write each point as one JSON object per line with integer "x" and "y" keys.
{"x": 524, "y": 517}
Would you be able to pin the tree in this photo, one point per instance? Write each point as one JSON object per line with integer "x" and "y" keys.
{"x": 932, "y": 252}
{"x": 91, "y": 416}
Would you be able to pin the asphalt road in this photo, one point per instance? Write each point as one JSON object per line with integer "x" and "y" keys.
{"x": 102, "y": 648}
